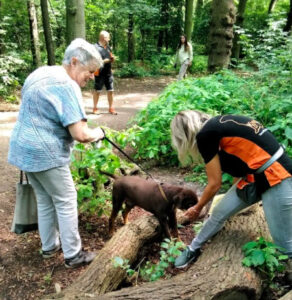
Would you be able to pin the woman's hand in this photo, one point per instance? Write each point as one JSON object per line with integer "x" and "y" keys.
{"x": 193, "y": 213}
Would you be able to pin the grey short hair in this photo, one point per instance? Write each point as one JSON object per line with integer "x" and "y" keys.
{"x": 104, "y": 33}
{"x": 184, "y": 129}
{"x": 85, "y": 53}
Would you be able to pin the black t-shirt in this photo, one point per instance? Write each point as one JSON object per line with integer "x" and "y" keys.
{"x": 105, "y": 52}
{"x": 243, "y": 145}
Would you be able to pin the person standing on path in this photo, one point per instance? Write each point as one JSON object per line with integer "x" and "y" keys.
{"x": 51, "y": 117}
{"x": 184, "y": 56}
{"x": 104, "y": 76}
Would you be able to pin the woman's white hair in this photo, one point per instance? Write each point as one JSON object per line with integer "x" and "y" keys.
{"x": 184, "y": 129}
{"x": 85, "y": 52}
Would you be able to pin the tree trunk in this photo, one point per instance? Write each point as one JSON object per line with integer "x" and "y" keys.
{"x": 163, "y": 32}
{"x": 48, "y": 33}
{"x": 272, "y": 6}
{"x": 189, "y": 19}
{"x": 288, "y": 25}
{"x": 239, "y": 23}
{"x": 75, "y": 20}
{"x": 34, "y": 34}
{"x": 199, "y": 7}
{"x": 218, "y": 273}
{"x": 143, "y": 44}
{"x": 160, "y": 40}
{"x": 131, "y": 44}
{"x": 1, "y": 34}
{"x": 221, "y": 34}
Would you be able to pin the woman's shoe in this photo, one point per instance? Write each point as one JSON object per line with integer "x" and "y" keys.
{"x": 188, "y": 256}
{"x": 81, "y": 259}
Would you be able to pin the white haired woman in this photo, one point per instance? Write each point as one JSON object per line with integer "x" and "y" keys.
{"x": 239, "y": 146}
{"x": 51, "y": 117}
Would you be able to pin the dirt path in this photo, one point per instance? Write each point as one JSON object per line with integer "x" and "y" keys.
{"x": 23, "y": 273}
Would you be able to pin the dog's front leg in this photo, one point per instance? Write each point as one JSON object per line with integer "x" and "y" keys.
{"x": 126, "y": 212}
{"x": 172, "y": 221}
{"x": 112, "y": 222}
{"x": 164, "y": 226}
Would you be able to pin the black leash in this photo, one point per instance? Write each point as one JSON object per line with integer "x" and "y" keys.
{"x": 129, "y": 158}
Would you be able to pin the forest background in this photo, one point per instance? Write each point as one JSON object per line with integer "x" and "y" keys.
{"x": 242, "y": 65}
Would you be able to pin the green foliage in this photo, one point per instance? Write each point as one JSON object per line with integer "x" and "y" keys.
{"x": 264, "y": 256}
{"x": 9, "y": 66}
{"x": 86, "y": 161}
{"x": 85, "y": 166}
{"x": 131, "y": 70}
{"x": 199, "y": 64}
{"x": 197, "y": 227}
{"x": 150, "y": 271}
{"x": 119, "y": 262}
{"x": 197, "y": 175}
{"x": 265, "y": 95}
{"x": 171, "y": 249}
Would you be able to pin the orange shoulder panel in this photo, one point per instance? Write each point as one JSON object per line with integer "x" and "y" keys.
{"x": 254, "y": 156}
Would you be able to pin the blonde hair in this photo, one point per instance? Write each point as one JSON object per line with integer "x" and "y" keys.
{"x": 184, "y": 129}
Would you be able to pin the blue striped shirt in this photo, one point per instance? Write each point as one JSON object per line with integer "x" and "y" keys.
{"x": 51, "y": 101}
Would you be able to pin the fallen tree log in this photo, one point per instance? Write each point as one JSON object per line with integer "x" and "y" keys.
{"x": 288, "y": 296}
{"x": 101, "y": 276}
{"x": 218, "y": 273}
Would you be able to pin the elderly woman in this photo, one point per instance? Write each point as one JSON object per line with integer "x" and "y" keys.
{"x": 51, "y": 117}
{"x": 239, "y": 146}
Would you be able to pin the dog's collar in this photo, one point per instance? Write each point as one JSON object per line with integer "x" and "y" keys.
{"x": 162, "y": 192}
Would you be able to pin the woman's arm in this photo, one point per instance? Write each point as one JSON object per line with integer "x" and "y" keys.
{"x": 81, "y": 133}
{"x": 214, "y": 174}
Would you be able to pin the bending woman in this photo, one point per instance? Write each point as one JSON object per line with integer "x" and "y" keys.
{"x": 237, "y": 145}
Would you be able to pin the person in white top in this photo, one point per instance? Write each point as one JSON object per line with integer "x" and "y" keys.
{"x": 184, "y": 56}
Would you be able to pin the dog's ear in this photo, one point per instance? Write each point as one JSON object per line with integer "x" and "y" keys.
{"x": 178, "y": 199}
{"x": 189, "y": 199}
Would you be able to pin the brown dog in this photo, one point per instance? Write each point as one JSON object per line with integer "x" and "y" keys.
{"x": 134, "y": 190}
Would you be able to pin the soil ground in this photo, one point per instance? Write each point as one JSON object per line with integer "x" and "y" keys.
{"x": 24, "y": 274}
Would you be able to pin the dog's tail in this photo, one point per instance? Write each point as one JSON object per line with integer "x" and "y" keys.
{"x": 109, "y": 174}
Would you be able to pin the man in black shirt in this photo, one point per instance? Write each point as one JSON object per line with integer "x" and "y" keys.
{"x": 104, "y": 76}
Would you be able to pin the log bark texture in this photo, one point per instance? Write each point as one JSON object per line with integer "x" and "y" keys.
{"x": 218, "y": 273}
{"x": 288, "y": 296}
{"x": 101, "y": 276}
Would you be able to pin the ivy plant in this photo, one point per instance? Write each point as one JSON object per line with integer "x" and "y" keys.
{"x": 264, "y": 256}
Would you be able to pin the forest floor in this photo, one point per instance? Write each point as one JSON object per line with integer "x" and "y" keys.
{"x": 24, "y": 274}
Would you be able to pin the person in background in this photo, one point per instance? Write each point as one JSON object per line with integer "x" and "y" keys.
{"x": 51, "y": 117}
{"x": 237, "y": 145}
{"x": 184, "y": 56}
{"x": 104, "y": 76}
